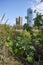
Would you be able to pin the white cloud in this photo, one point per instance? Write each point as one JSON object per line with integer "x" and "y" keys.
{"x": 33, "y": 3}
{"x": 38, "y": 1}
{"x": 39, "y": 7}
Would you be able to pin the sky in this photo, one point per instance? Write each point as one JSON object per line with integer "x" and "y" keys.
{"x": 15, "y": 8}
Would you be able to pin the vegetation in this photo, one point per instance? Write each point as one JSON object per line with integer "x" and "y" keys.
{"x": 26, "y": 46}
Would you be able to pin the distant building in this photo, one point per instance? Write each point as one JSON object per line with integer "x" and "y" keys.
{"x": 29, "y": 16}
{"x": 19, "y": 21}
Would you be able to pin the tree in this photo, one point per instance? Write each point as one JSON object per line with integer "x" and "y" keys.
{"x": 27, "y": 27}
{"x": 26, "y": 17}
{"x": 38, "y": 20}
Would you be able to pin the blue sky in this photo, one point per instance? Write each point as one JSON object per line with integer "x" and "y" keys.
{"x": 15, "y": 8}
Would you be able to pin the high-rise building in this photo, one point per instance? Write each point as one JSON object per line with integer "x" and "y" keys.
{"x": 19, "y": 20}
{"x": 29, "y": 16}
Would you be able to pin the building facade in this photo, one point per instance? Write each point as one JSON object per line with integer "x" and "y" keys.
{"x": 29, "y": 16}
{"x": 19, "y": 21}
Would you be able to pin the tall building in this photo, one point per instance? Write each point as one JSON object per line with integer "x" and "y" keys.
{"x": 19, "y": 21}
{"x": 29, "y": 16}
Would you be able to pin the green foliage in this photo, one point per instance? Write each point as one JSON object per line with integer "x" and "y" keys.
{"x": 30, "y": 59}
{"x": 27, "y": 27}
{"x": 9, "y": 43}
{"x": 24, "y": 44}
{"x": 38, "y": 20}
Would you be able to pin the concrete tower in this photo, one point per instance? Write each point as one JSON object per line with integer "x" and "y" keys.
{"x": 19, "y": 20}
